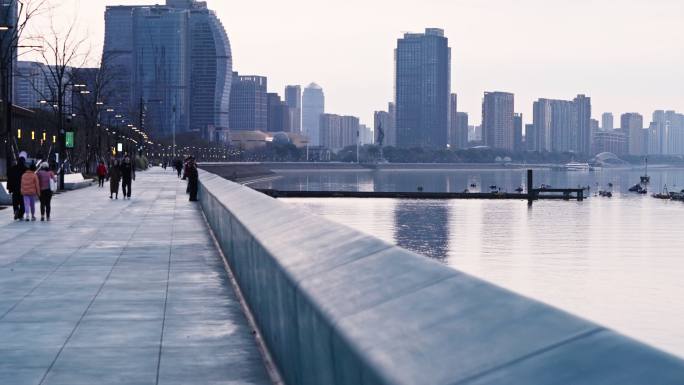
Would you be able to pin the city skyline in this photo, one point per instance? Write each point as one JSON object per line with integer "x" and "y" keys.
{"x": 620, "y": 74}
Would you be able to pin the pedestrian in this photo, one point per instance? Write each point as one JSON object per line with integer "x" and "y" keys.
{"x": 45, "y": 175}
{"x": 178, "y": 165}
{"x": 193, "y": 179}
{"x": 101, "y": 173}
{"x": 114, "y": 179}
{"x": 14, "y": 175}
{"x": 30, "y": 189}
{"x": 127, "y": 176}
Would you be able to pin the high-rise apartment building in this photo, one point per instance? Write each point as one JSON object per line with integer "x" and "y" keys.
{"x": 497, "y": 120}
{"x": 666, "y": 133}
{"x": 582, "y": 136}
{"x": 174, "y": 60}
{"x": 607, "y": 121}
{"x": 632, "y": 124}
{"x": 563, "y": 125}
{"x": 248, "y": 103}
{"x": 293, "y": 98}
{"x": 422, "y": 89}
{"x": 313, "y": 106}
{"x": 338, "y": 132}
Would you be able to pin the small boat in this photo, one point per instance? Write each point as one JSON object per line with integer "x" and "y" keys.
{"x": 492, "y": 187}
{"x": 576, "y": 166}
{"x": 519, "y": 190}
{"x": 636, "y": 188}
{"x": 663, "y": 195}
{"x": 645, "y": 179}
{"x": 606, "y": 194}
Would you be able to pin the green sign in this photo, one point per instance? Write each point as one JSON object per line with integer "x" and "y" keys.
{"x": 70, "y": 139}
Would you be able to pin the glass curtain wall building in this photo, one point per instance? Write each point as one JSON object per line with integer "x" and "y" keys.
{"x": 174, "y": 61}
{"x": 422, "y": 89}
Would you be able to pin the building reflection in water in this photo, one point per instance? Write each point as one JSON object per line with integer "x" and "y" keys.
{"x": 423, "y": 227}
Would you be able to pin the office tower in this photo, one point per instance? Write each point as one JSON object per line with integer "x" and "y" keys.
{"x": 248, "y": 103}
{"x": 632, "y": 124}
{"x": 117, "y": 56}
{"x": 518, "y": 144}
{"x": 530, "y": 138}
{"x": 211, "y": 65}
{"x": 172, "y": 60}
{"x": 293, "y": 98}
{"x": 422, "y": 89}
{"x": 563, "y": 125}
{"x": 338, "y": 132}
{"x": 458, "y": 125}
{"x": 30, "y": 85}
{"x": 497, "y": 120}
{"x": 278, "y": 114}
{"x": 607, "y": 121}
{"x": 313, "y": 106}
{"x": 460, "y": 132}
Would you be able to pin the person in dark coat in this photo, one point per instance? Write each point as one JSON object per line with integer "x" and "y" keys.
{"x": 114, "y": 179}
{"x": 127, "y": 176}
{"x": 178, "y": 165}
{"x": 14, "y": 187}
{"x": 193, "y": 179}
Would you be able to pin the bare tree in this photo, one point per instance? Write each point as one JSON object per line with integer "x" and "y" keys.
{"x": 91, "y": 106}
{"x": 61, "y": 52}
{"x": 15, "y": 16}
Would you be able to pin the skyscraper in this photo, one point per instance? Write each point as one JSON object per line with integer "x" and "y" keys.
{"x": 497, "y": 120}
{"x": 248, "y": 103}
{"x": 293, "y": 98}
{"x": 607, "y": 121}
{"x": 278, "y": 114}
{"x": 313, "y": 106}
{"x": 518, "y": 144}
{"x": 338, "y": 132}
{"x": 174, "y": 60}
{"x": 563, "y": 125}
{"x": 422, "y": 89}
{"x": 632, "y": 124}
{"x": 582, "y": 110}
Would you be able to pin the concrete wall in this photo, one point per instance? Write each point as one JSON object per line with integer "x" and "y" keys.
{"x": 336, "y": 306}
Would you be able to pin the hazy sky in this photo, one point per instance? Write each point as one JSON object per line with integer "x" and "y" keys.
{"x": 628, "y": 55}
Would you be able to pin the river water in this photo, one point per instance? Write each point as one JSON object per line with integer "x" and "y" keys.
{"x": 617, "y": 261}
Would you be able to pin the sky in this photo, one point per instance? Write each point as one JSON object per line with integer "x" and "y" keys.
{"x": 627, "y": 55}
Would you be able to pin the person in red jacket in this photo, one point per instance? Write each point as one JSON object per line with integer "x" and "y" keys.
{"x": 101, "y": 173}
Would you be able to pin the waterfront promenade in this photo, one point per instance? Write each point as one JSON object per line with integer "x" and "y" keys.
{"x": 120, "y": 292}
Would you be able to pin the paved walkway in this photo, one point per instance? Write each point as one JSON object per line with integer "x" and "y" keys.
{"x": 120, "y": 292}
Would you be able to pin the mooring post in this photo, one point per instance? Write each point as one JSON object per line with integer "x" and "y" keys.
{"x": 530, "y": 187}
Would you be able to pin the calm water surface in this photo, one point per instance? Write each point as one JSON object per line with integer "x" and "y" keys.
{"x": 619, "y": 261}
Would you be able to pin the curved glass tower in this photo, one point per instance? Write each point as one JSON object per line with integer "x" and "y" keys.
{"x": 174, "y": 61}
{"x": 211, "y": 68}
